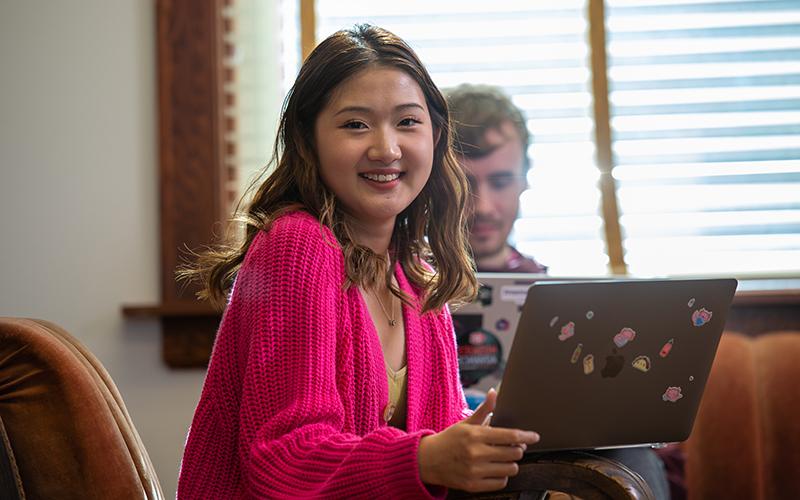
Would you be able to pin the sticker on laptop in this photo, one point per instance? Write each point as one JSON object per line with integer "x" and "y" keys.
{"x": 701, "y": 316}
{"x": 502, "y": 324}
{"x": 567, "y": 331}
{"x": 641, "y": 363}
{"x": 589, "y": 314}
{"x": 554, "y": 321}
{"x": 672, "y": 394}
{"x": 691, "y": 302}
{"x": 624, "y": 336}
{"x": 664, "y": 352}
{"x": 691, "y": 378}
{"x": 576, "y": 354}
{"x": 588, "y": 364}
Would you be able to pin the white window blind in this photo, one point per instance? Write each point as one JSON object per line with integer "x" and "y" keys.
{"x": 262, "y": 58}
{"x": 705, "y": 116}
{"x": 537, "y": 51}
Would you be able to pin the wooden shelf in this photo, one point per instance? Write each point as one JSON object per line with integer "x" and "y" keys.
{"x": 185, "y": 309}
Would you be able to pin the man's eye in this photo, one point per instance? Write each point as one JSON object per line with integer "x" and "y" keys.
{"x": 501, "y": 183}
{"x": 355, "y": 125}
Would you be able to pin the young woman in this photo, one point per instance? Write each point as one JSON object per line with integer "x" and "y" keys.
{"x": 334, "y": 372}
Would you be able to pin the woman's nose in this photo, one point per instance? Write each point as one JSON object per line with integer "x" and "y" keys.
{"x": 384, "y": 148}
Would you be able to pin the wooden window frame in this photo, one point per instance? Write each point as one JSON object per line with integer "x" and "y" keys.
{"x": 193, "y": 180}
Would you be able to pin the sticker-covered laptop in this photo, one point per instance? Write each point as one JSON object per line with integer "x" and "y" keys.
{"x": 612, "y": 363}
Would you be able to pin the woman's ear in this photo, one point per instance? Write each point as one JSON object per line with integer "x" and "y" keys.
{"x": 437, "y": 134}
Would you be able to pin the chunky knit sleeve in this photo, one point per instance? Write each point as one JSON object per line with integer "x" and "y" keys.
{"x": 284, "y": 313}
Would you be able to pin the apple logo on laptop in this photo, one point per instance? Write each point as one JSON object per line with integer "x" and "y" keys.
{"x": 614, "y": 364}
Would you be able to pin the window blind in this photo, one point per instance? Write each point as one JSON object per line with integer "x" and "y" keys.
{"x": 261, "y": 61}
{"x": 705, "y": 118}
{"x": 537, "y": 52}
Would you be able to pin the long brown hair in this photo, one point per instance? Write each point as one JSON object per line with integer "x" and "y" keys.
{"x": 431, "y": 228}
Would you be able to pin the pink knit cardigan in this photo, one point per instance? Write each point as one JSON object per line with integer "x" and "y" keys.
{"x": 293, "y": 401}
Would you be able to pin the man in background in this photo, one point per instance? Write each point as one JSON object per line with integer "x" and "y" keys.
{"x": 491, "y": 140}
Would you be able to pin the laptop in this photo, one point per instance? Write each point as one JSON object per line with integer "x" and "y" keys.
{"x": 605, "y": 364}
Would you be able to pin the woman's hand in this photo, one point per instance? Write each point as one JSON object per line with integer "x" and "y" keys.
{"x": 472, "y": 456}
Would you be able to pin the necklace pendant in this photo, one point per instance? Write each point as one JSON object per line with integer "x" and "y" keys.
{"x": 392, "y": 322}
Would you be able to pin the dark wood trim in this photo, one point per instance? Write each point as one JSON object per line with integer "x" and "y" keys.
{"x": 192, "y": 182}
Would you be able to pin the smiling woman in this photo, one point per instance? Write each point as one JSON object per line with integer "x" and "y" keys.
{"x": 338, "y": 236}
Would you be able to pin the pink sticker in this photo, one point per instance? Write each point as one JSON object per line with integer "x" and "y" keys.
{"x": 667, "y": 348}
{"x": 477, "y": 338}
{"x": 672, "y": 394}
{"x": 624, "y": 336}
{"x": 567, "y": 331}
{"x": 701, "y": 317}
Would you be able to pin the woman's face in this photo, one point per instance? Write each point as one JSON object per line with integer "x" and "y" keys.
{"x": 375, "y": 144}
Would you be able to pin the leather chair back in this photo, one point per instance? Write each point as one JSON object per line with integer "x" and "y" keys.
{"x": 65, "y": 430}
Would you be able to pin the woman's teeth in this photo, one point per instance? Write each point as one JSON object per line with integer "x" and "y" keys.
{"x": 381, "y": 177}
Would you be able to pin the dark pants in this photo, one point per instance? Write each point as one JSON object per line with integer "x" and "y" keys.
{"x": 645, "y": 462}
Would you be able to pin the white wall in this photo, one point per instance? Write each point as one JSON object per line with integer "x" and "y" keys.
{"x": 78, "y": 196}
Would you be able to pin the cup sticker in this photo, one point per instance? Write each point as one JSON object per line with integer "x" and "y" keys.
{"x": 567, "y": 331}
{"x": 672, "y": 394}
{"x": 691, "y": 302}
{"x": 701, "y": 317}
{"x": 576, "y": 354}
{"x": 589, "y": 314}
{"x": 588, "y": 364}
{"x": 641, "y": 363}
{"x": 667, "y": 348}
{"x": 624, "y": 336}
{"x": 553, "y": 321}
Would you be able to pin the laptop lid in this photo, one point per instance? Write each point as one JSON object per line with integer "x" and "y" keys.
{"x": 612, "y": 363}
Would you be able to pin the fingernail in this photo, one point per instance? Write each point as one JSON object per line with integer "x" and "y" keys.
{"x": 533, "y": 435}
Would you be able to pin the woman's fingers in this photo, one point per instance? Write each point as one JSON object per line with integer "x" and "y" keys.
{"x": 503, "y": 436}
{"x": 493, "y": 453}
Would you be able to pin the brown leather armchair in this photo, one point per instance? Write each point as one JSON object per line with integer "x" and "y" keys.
{"x": 64, "y": 429}
{"x": 746, "y": 438}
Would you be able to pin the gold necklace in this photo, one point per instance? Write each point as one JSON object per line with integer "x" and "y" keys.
{"x": 392, "y": 321}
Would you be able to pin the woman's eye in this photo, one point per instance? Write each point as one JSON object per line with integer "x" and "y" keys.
{"x": 354, "y": 125}
{"x": 408, "y": 122}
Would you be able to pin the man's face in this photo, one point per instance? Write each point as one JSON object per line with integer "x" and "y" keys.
{"x": 496, "y": 181}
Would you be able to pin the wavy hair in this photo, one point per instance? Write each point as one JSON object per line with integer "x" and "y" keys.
{"x": 430, "y": 230}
